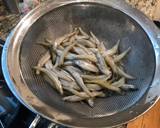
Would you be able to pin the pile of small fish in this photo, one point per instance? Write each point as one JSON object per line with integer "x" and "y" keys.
{"x": 80, "y": 68}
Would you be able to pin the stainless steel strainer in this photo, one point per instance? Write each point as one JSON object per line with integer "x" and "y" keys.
{"x": 110, "y": 21}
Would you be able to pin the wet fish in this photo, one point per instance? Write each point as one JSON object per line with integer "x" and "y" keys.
{"x": 56, "y": 62}
{"x": 53, "y": 77}
{"x": 75, "y": 98}
{"x": 109, "y": 60}
{"x": 64, "y": 53}
{"x": 86, "y": 43}
{"x": 60, "y": 47}
{"x": 123, "y": 74}
{"x": 122, "y": 55}
{"x": 80, "y": 64}
{"x": 119, "y": 83}
{"x": 60, "y": 40}
{"x": 129, "y": 87}
{"x": 68, "y": 63}
{"x": 62, "y": 74}
{"x": 105, "y": 84}
{"x": 113, "y": 50}
{"x": 79, "y": 50}
{"x": 102, "y": 64}
{"x": 81, "y": 57}
{"x": 96, "y": 77}
{"x": 83, "y": 33}
{"x": 86, "y": 66}
{"x": 126, "y": 87}
{"x": 66, "y": 44}
{"x": 88, "y": 51}
{"x": 91, "y": 58}
{"x": 90, "y": 102}
{"x": 74, "y": 92}
{"x": 72, "y": 56}
{"x": 68, "y": 84}
{"x": 79, "y": 37}
{"x": 95, "y": 39}
{"x": 78, "y": 79}
{"x": 101, "y": 47}
{"x": 94, "y": 87}
{"x": 43, "y": 60}
{"x": 49, "y": 65}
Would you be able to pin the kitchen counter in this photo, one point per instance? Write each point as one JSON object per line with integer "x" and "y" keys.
{"x": 148, "y": 7}
{"x": 8, "y": 21}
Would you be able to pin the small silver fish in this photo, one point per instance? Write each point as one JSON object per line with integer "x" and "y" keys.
{"x": 94, "y": 87}
{"x": 60, "y": 40}
{"x": 64, "y": 53}
{"x": 86, "y": 43}
{"x": 74, "y": 92}
{"x": 129, "y": 87}
{"x": 105, "y": 84}
{"x": 68, "y": 63}
{"x": 95, "y": 38}
{"x": 53, "y": 77}
{"x": 95, "y": 77}
{"x": 62, "y": 74}
{"x": 119, "y": 83}
{"x": 102, "y": 64}
{"x": 78, "y": 79}
{"x": 101, "y": 47}
{"x": 109, "y": 60}
{"x": 49, "y": 64}
{"x": 87, "y": 50}
{"x": 123, "y": 74}
{"x": 121, "y": 56}
{"x": 79, "y": 50}
{"x": 75, "y": 98}
{"x": 83, "y": 33}
{"x": 68, "y": 84}
{"x": 86, "y": 66}
{"x": 113, "y": 50}
{"x": 79, "y": 37}
{"x": 90, "y": 102}
{"x": 43, "y": 60}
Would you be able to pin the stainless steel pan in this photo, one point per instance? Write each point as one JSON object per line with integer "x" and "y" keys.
{"x": 110, "y": 21}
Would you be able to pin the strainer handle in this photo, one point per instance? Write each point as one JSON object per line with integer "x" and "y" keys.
{"x": 1, "y": 124}
{"x": 53, "y": 125}
{"x": 37, "y": 120}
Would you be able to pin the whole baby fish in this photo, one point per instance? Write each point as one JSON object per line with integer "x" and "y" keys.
{"x": 53, "y": 77}
{"x": 96, "y": 40}
{"x": 64, "y": 53}
{"x": 78, "y": 79}
{"x": 68, "y": 84}
{"x": 122, "y": 55}
{"x": 86, "y": 66}
{"x": 43, "y": 60}
{"x": 75, "y": 98}
{"x": 102, "y": 64}
{"x": 113, "y": 50}
{"x": 106, "y": 85}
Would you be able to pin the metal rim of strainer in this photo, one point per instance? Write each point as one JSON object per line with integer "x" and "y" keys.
{"x": 16, "y": 83}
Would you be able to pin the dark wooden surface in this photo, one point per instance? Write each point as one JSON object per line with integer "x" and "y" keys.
{"x": 151, "y": 119}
